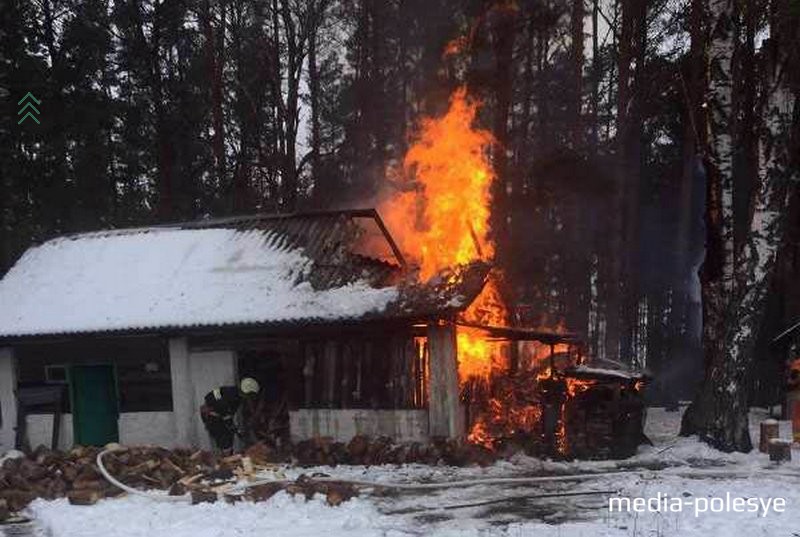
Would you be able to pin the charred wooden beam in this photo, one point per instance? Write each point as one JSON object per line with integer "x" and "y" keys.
{"x": 511, "y": 333}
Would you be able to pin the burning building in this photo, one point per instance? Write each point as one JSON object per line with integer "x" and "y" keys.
{"x": 133, "y": 327}
{"x": 355, "y": 325}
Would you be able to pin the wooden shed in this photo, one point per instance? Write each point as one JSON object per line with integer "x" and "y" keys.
{"x": 136, "y": 325}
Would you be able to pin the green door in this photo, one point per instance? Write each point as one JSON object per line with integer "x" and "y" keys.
{"x": 93, "y": 394}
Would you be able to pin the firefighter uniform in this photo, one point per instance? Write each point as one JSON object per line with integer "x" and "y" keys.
{"x": 220, "y": 408}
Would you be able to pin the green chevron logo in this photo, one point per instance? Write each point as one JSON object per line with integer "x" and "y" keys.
{"x": 30, "y": 107}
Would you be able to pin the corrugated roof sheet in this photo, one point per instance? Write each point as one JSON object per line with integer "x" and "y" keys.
{"x": 243, "y": 271}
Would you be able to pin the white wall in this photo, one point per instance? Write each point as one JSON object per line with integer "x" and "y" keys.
{"x": 344, "y": 424}
{"x": 209, "y": 370}
{"x": 135, "y": 429}
{"x": 40, "y": 430}
{"x": 194, "y": 374}
{"x": 148, "y": 428}
{"x": 8, "y": 400}
{"x": 182, "y": 392}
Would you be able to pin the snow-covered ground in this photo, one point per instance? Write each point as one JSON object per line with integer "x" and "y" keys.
{"x": 681, "y": 468}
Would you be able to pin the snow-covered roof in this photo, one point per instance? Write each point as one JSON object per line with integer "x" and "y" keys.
{"x": 172, "y": 277}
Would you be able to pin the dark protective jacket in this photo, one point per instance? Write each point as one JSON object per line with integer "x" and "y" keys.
{"x": 224, "y": 400}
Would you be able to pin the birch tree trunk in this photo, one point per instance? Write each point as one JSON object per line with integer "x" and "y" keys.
{"x": 718, "y": 160}
{"x": 576, "y": 60}
{"x": 720, "y": 413}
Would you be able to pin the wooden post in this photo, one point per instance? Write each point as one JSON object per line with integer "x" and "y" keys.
{"x": 445, "y": 417}
{"x": 308, "y": 375}
{"x": 780, "y": 450}
{"x": 347, "y": 372}
{"x": 331, "y": 357}
{"x": 769, "y": 430}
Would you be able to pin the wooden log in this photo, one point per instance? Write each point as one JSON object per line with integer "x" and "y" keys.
{"x": 186, "y": 481}
{"x": 780, "y": 450}
{"x": 203, "y": 496}
{"x": 84, "y": 497}
{"x": 262, "y": 493}
{"x": 769, "y": 430}
{"x": 90, "y": 484}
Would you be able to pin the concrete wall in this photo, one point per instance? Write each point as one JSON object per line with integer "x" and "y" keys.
{"x": 182, "y": 392}
{"x": 209, "y": 370}
{"x": 194, "y": 374}
{"x": 8, "y": 401}
{"x": 135, "y": 428}
{"x": 344, "y": 424}
{"x": 141, "y": 428}
{"x": 40, "y": 430}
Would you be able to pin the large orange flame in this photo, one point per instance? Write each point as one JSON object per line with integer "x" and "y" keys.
{"x": 441, "y": 217}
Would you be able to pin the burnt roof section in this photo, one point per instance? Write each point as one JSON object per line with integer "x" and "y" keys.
{"x": 343, "y": 244}
{"x": 447, "y": 293}
{"x": 339, "y": 245}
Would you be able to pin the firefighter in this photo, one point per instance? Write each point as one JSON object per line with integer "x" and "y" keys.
{"x": 220, "y": 408}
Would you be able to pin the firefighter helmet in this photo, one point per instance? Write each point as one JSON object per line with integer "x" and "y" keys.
{"x": 249, "y": 386}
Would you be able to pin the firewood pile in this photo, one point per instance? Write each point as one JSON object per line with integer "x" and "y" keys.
{"x": 382, "y": 450}
{"x": 204, "y": 475}
{"x": 604, "y": 422}
{"x": 201, "y": 474}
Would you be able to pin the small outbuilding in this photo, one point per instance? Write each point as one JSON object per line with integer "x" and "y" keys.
{"x": 117, "y": 335}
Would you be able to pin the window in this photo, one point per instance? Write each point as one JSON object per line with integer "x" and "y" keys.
{"x": 55, "y": 373}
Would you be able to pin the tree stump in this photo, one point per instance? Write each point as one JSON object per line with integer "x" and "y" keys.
{"x": 780, "y": 450}
{"x": 769, "y": 430}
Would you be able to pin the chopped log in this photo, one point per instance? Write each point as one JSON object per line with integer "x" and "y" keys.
{"x": 232, "y": 460}
{"x": 780, "y": 450}
{"x": 17, "y": 500}
{"x": 168, "y": 463}
{"x": 145, "y": 466}
{"x": 177, "y": 489}
{"x": 261, "y": 493}
{"x": 90, "y": 484}
{"x": 338, "y": 493}
{"x": 186, "y": 481}
{"x": 84, "y": 497}
{"x": 769, "y": 430}
{"x": 247, "y": 466}
{"x": 203, "y": 496}
{"x": 259, "y": 453}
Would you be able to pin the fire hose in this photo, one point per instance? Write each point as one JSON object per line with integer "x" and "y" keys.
{"x": 130, "y": 490}
{"x": 241, "y": 488}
